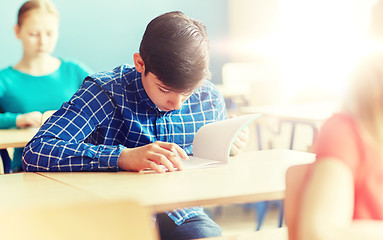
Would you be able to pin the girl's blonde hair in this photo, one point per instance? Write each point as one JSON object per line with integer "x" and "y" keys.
{"x": 365, "y": 97}
{"x": 45, "y": 5}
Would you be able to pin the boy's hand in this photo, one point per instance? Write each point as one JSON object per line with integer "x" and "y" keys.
{"x": 151, "y": 156}
{"x": 240, "y": 142}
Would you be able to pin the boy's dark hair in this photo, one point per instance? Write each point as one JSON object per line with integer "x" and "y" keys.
{"x": 175, "y": 48}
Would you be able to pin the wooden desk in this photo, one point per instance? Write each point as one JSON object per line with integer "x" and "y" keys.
{"x": 15, "y": 138}
{"x": 36, "y": 207}
{"x": 250, "y": 177}
{"x": 27, "y": 190}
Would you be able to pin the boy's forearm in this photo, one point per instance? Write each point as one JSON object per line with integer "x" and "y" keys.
{"x": 58, "y": 155}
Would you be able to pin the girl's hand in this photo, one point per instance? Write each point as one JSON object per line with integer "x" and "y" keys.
{"x": 32, "y": 119}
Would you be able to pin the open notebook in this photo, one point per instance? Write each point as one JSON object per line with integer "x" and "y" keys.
{"x": 212, "y": 142}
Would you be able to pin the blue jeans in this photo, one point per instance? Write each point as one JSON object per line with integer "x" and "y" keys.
{"x": 196, "y": 227}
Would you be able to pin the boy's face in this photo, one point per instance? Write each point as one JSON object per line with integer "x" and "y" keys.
{"x": 165, "y": 98}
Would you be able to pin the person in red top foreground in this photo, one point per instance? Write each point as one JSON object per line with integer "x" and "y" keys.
{"x": 343, "y": 197}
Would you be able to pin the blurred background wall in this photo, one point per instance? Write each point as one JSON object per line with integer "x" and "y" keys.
{"x": 263, "y": 52}
{"x": 105, "y": 34}
{"x": 311, "y": 43}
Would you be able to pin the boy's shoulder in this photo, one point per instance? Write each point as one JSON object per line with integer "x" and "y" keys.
{"x": 207, "y": 87}
{"x": 119, "y": 75}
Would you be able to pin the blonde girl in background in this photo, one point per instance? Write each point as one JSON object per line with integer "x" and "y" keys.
{"x": 39, "y": 81}
{"x": 343, "y": 198}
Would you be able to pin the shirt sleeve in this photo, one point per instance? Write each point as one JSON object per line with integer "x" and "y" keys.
{"x": 60, "y": 143}
{"x": 8, "y": 120}
{"x": 338, "y": 139}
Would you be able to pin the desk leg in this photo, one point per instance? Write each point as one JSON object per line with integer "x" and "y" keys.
{"x": 293, "y": 126}
{"x": 6, "y": 161}
{"x": 315, "y": 131}
{"x": 259, "y": 137}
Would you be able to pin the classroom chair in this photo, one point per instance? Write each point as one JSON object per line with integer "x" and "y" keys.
{"x": 263, "y": 206}
{"x": 96, "y": 220}
{"x": 261, "y": 209}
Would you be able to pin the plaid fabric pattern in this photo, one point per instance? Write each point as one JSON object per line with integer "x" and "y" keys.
{"x": 111, "y": 111}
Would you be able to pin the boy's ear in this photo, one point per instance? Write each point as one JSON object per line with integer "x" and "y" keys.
{"x": 16, "y": 28}
{"x": 139, "y": 63}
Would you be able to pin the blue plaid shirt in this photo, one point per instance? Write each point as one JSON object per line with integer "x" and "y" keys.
{"x": 111, "y": 111}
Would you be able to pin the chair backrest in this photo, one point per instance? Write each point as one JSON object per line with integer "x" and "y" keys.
{"x": 46, "y": 115}
{"x": 296, "y": 177}
{"x": 258, "y": 81}
{"x": 87, "y": 220}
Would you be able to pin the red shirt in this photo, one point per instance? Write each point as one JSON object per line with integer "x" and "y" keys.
{"x": 339, "y": 137}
